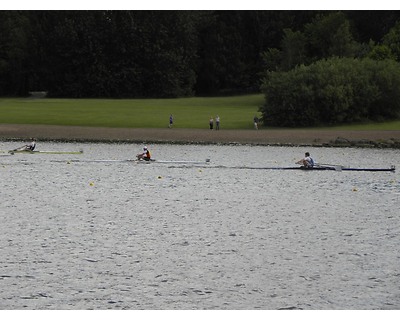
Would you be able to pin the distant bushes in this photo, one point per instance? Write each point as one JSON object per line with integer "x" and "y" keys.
{"x": 332, "y": 91}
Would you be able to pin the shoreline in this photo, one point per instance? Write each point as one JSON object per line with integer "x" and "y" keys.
{"x": 262, "y": 137}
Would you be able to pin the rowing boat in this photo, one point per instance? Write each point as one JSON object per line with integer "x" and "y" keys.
{"x": 325, "y": 168}
{"x": 175, "y": 161}
{"x": 45, "y": 152}
{"x": 206, "y": 161}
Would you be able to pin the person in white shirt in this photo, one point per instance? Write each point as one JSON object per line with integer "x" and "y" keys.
{"x": 255, "y": 120}
{"x": 145, "y": 155}
{"x": 28, "y": 147}
{"x": 307, "y": 161}
{"x": 217, "y": 123}
{"x": 32, "y": 145}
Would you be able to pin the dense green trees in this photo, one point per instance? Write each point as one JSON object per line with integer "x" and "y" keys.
{"x": 120, "y": 54}
{"x": 138, "y": 53}
{"x": 16, "y": 43}
{"x": 99, "y": 53}
{"x": 333, "y": 91}
{"x": 295, "y": 55}
{"x": 321, "y": 76}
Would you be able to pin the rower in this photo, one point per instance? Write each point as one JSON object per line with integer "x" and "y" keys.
{"x": 28, "y": 147}
{"x": 145, "y": 155}
{"x": 307, "y": 161}
{"x": 32, "y": 145}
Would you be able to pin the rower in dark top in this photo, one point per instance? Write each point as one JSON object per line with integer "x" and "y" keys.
{"x": 145, "y": 155}
{"x": 307, "y": 161}
{"x": 32, "y": 145}
{"x": 29, "y": 147}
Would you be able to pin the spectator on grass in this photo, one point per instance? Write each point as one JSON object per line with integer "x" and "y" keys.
{"x": 255, "y": 120}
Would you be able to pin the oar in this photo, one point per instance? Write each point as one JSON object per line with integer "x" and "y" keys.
{"x": 4, "y": 151}
{"x": 18, "y": 149}
{"x": 337, "y": 167}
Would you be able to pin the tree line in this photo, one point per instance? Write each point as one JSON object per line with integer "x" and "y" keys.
{"x": 136, "y": 54}
{"x": 321, "y": 74}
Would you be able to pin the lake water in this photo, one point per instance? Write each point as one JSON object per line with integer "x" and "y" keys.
{"x": 121, "y": 235}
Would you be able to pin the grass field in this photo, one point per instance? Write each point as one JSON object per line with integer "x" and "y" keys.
{"x": 235, "y": 112}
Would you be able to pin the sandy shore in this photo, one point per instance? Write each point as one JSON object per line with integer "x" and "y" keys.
{"x": 390, "y": 138}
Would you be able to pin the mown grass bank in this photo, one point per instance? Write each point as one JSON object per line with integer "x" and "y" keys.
{"x": 234, "y": 112}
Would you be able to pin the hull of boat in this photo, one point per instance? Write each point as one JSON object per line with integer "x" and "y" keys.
{"x": 207, "y": 161}
{"x": 175, "y": 161}
{"x": 45, "y": 152}
{"x": 326, "y": 168}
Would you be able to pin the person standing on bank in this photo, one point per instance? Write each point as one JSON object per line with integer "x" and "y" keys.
{"x": 171, "y": 121}
{"x": 211, "y": 123}
{"x": 217, "y": 123}
{"x": 255, "y": 120}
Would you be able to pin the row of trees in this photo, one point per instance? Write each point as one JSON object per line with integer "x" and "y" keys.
{"x": 170, "y": 53}
{"x": 315, "y": 67}
{"x": 320, "y": 75}
{"x": 333, "y": 91}
{"x": 97, "y": 53}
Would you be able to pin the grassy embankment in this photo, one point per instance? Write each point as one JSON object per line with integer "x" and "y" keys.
{"x": 235, "y": 112}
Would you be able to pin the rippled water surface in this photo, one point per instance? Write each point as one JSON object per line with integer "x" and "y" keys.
{"x": 121, "y": 235}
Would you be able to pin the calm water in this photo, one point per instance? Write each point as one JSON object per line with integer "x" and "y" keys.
{"x": 119, "y": 235}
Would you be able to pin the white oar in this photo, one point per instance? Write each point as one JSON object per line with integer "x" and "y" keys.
{"x": 337, "y": 167}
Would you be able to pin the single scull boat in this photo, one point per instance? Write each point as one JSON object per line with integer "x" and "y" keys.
{"x": 175, "y": 161}
{"x": 44, "y": 152}
{"x": 323, "y": 168}
{"x": 207, "y": 161}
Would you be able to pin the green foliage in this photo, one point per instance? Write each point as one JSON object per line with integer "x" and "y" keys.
{"x": 327, "y": 35}
{"x": 293, "y": 49}
{"x": 392, "y": 40}
{"x": 15, "y": 41}
{"x": 134, "y": 54}
{"x": 330, "y": 35}
{"x": 381, "y": 52}
{"x": 331, "y": 92}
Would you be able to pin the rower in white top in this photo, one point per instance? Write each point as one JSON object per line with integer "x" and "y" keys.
{"x": 145, "y": 155}
{"x": 307, "y": 161}
{"x": 29, "y": 147}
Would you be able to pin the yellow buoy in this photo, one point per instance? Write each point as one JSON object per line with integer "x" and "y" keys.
{"x": 355, "y": 189}
{"x": 91, "y": 184}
